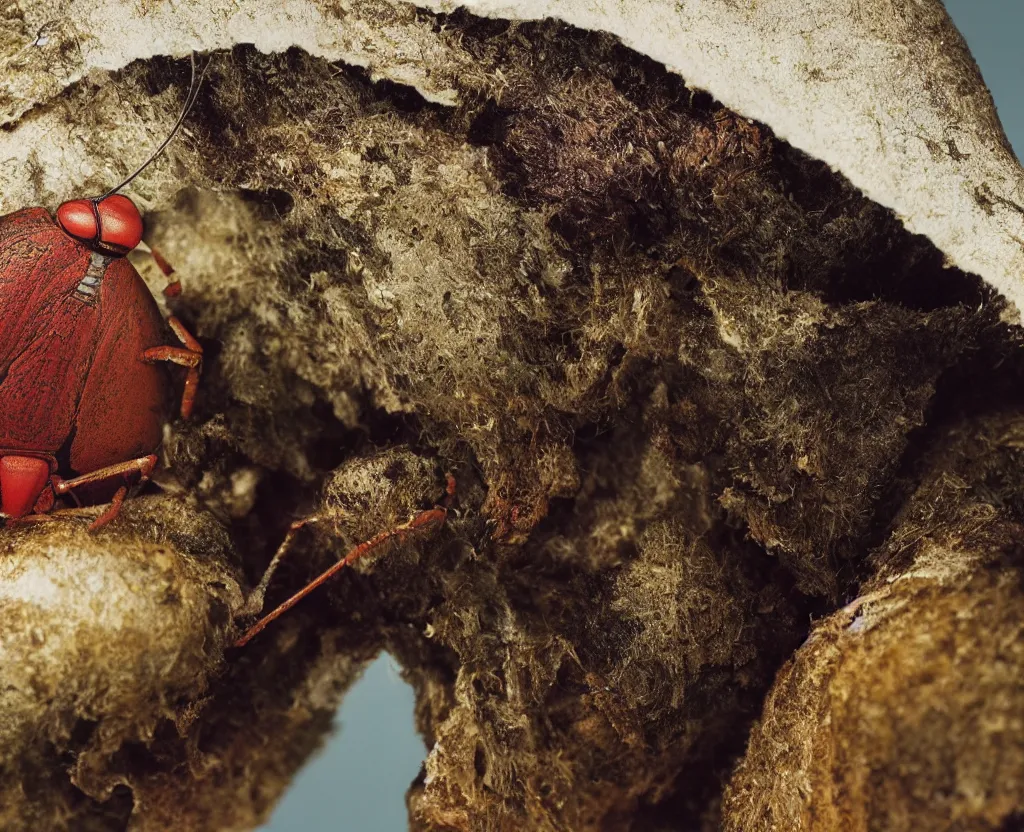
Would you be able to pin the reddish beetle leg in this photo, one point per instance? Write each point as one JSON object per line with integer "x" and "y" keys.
{"x": 190, "y": 356}
{"x": 173, "y": 287}
{"x": 433, "y": 517}
{"x": 143, "y": 466}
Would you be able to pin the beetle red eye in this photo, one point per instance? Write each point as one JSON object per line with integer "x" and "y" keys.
{"x": 120, "y": 222}
{"x": 77, "y": 219}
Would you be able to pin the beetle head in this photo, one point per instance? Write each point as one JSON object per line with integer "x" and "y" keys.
{"x": 109, "y": 224}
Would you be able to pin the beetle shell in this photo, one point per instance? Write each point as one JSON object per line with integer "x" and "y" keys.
{"x": 73, "y": 327}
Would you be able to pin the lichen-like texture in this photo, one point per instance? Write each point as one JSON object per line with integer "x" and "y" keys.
{"x": 695, "y": 390}
{"x": 106, "y": 640}
{"x": 902, "y": 711}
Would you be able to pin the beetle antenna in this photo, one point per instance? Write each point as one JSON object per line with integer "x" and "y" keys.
{"x": 190, "y": 100}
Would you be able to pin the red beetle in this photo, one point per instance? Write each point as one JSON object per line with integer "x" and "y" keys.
{"x": 84, "y": 385}
{"x": 84, "y": 391}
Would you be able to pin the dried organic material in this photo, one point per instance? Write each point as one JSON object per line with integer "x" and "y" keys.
{"x": 688, "y": 380}
{"x": 106, "y": 638}
{"x": 885, "y": 92}
{"x": 902, "y": 711}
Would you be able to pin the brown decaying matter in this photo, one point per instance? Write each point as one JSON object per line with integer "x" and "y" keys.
{"x": 693, "y": 388}
{"x": 902, "y": 710}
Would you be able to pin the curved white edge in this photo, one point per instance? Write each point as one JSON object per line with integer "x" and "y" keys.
{"x": 886, "y": 93}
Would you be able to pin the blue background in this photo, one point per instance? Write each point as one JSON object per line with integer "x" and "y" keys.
{"x": 358, "y": 783}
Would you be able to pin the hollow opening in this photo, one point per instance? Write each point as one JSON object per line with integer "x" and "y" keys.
{"x": 358, "y": 780}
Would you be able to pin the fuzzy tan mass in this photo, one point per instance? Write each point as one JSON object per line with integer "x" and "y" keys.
{"x": 697, "y": 391}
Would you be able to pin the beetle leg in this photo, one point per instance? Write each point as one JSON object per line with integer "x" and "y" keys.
{"x": 173, "y": 287}
{"x": 45, "y": 500}
{"x": 143, "y": 466}
{"x": 190, "y": 356}
{"x": 254, "y": 603}
{"x": 431, "y": 518}
{"x": 112, "y": 510}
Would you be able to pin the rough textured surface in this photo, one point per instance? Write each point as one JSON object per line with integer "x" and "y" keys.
{"x": 902, "y": 711}
{"x": 107, "y": 639}
{"x": 685, "y": 376}
{"x": 885, "y": 92}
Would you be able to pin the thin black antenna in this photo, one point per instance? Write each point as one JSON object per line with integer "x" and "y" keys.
{"x": 190, "y": 100}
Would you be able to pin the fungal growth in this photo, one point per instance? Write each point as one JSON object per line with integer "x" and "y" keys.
{"x": 733, "y": 544}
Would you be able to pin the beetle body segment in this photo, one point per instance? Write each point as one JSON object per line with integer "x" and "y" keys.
{"x": 22, "y": 480}
{"x": 74, "y": 388}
